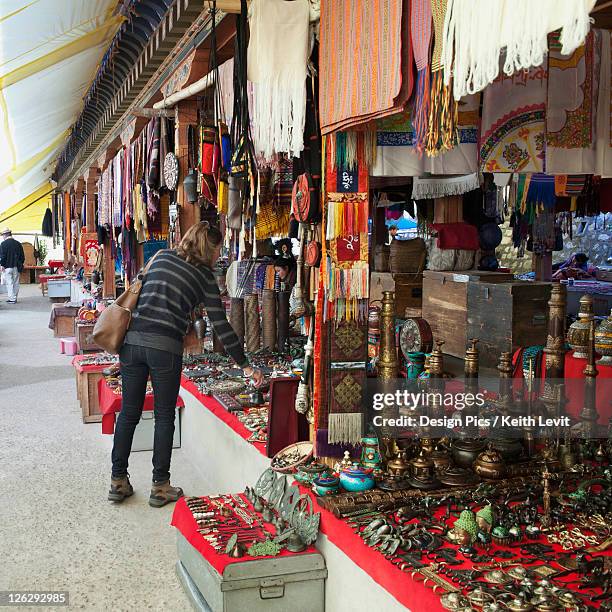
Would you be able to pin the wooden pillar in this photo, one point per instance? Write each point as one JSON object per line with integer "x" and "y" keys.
{"x": 91, "y": 186}
{"x": 186, "y": 114}
{"x": 542, "y": 266}
{"x": 67, "y": 237}
{"x": 79, "y": 191}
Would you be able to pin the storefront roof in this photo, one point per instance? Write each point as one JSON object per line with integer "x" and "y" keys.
{"x": 49, "y": 53}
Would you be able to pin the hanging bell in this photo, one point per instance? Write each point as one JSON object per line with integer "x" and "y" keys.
{"x": 190, "y": 185}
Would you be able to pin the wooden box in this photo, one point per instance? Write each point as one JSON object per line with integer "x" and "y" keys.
{"x": 445, "y": 305}
{"x": 83, "y": 334}
{"x": 408, "y": 292}
{"x": 63, "y": 326}
{"x": 87, "y": 394}
{"x": 505, "y": 316}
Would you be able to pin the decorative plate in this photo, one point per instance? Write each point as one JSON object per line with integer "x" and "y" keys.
{"x": 415, "y": 336}
{"x": 171, "y": 171}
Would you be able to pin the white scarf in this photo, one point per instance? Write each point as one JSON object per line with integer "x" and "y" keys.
{"x": 277, "y": 67}
{"x": 476, "y": 31}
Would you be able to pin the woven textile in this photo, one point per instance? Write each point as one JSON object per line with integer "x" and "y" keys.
{"x": 397, "y": 153}
{"x": 365, "y": 61}
{"x": 236, "y": 317}
{"x": 252, "y": 327}
{"x": 277, "y": 65}
{"x": 268, "y": 319}
{"x": 513, "y": 123}
{"x": 438, "y": 187}
{"x": 438, "y": 12}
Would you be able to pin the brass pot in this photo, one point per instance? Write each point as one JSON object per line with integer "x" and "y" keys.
{"x": 579, "y": 332}
{"x": 509, "y": 448}
{"x": 454, "y": 476}
{"x": 465, "y": 452}
{"x": 490, "y": 465}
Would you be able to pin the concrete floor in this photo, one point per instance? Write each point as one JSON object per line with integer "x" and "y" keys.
{"x": 57, "y": 530}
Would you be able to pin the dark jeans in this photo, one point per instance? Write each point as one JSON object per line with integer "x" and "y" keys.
{"x": 137, "y": 363}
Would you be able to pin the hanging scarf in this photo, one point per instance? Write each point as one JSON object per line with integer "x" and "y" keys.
{"x": 277, "y": 65}
{"x": 421, "y": 40}
{"x": 476, "y": 31}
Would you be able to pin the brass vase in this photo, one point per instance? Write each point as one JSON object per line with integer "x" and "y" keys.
{"x": 603, "y": 341}
{"x": 387, "y": 362}
{"x": 579, "y": 331}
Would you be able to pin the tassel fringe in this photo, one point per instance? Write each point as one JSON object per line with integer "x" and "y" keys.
{"x": 345, "y": 428}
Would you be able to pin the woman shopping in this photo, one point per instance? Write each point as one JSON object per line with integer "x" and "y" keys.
{"x": 175, "y": 283}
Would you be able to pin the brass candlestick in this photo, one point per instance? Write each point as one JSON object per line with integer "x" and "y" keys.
{"x": 436, "y": 361}
{"x": 471, "y": 360}
{"x": 555, "y": 341}
{"x": 554, "y": 350}
{"x": 387, "y": 362}
{"x": 589, "y": 415}
{"x": 505, "y": 369}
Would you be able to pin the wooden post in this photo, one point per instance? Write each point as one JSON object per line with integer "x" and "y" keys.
{"x": 186, "y": 114}
{"x": 91, "y": 182}
{"x": 67, "y": 237}
{"x": 542, "y": 266}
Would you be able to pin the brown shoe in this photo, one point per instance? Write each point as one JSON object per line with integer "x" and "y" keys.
{"x": 120, "y": 489}
{"x": 163, "y": 493}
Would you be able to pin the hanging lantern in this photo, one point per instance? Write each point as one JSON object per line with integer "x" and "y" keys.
{"x": 190, "y": 187}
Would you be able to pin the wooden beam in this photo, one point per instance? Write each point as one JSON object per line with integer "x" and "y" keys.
{"x": 228, "y": 6}
{"x": 151, "y": 112}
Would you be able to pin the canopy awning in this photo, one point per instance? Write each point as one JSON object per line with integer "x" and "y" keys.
{"x": 26, "y": 216}
{"x": 49, "y": 53}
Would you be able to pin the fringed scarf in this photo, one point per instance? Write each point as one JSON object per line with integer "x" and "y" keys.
{"x": 443, "y": 110}
{"x": 476, "y": 31}
{"x": 277, "y": 65}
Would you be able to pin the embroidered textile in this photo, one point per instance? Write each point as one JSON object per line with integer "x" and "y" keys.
{"x": 573, "y": 88}
{"x": 513, "y": 125}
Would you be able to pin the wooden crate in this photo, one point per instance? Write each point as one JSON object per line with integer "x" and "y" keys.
{"x": 87, "y": 393}
{"x": 445, "y": 305}
{"x": 63, "y": 326}
{"x": 505, "y": 316}
{"x": 83, "y": 334}
{"x": 408, "y": 292}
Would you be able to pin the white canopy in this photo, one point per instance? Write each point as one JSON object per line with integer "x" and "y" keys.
{"x": 49, "y": 54}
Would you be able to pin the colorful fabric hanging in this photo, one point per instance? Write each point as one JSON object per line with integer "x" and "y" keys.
{"x": 277, "y": 66}
{"x": 512, "y": 135}
{"x": 420, "y": 31}
{"x": 365, "y": 61}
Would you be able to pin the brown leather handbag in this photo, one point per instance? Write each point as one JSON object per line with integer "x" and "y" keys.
{"x": 113, "y": 323}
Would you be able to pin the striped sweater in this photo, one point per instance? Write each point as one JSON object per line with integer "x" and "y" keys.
{"x": 171, "y": 289}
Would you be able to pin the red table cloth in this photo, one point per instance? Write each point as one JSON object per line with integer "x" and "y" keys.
{"x": 110, "y": 404}
{"x": 574, "y": 387}
{"x": 183, "y": 520}
{"x": 229, "y": 418}
{"x": 76, "y": 364}
{"x": 43, "y": 278}
{"x": 410, "y": 592}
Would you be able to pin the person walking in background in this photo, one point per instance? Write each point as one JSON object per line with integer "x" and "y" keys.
{"x": 12, "y": 259}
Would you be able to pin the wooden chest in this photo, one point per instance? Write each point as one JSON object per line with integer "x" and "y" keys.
{"x": 445, "y": 305}
{"x": 83, "y": 334}
{"x": 87, "y": 394}
{"x": 505, "y": 316}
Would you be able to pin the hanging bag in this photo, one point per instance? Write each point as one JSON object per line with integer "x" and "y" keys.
{"x": 113, "y": 323}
